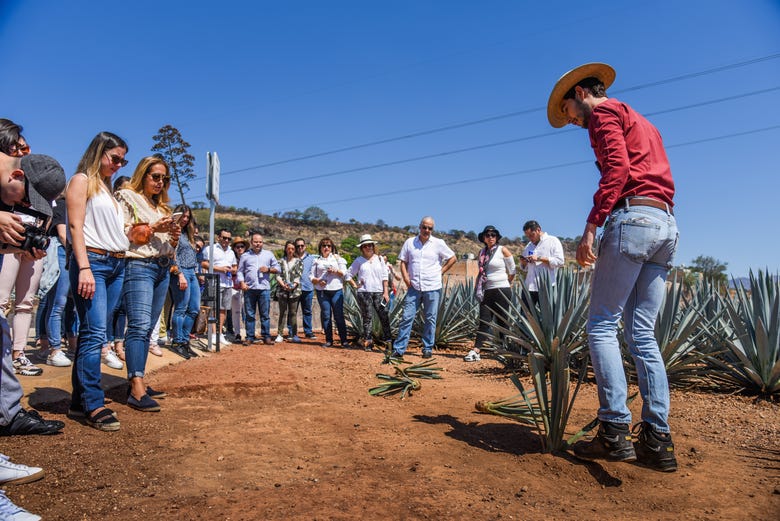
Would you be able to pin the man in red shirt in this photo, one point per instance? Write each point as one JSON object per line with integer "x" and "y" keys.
{"x": 635, "y": 198}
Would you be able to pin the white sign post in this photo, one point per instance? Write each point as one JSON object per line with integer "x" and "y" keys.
{"x": 212, "y": 194}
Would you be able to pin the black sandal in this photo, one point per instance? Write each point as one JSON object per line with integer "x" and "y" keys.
{"x": 104, "y": 420}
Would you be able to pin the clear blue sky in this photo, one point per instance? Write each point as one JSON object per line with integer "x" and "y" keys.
{"x": 261, "y": 82}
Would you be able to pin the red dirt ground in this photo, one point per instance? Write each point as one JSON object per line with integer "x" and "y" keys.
{"x": 290, "y": 432}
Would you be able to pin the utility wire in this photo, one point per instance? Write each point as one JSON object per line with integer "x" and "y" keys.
{"x": 480, "y": 147}
{"x": 499, "y": 116}
{"x": 519, "y": 172}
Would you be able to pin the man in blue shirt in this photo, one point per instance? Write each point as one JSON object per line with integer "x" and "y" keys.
{"x": 254, "y": 274}
{"x": 307, "y": 288}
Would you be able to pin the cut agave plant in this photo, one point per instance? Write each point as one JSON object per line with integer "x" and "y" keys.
{"x": 424, "y": 370}
{"x": 394, "y": 385}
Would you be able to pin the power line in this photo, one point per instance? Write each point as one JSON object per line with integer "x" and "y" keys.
{"x": 499, "y": 116}
{"x": 479, "y": 147}
{"x": 520, "y": 172}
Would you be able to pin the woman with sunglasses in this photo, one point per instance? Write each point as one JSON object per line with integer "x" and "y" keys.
{"x": 288, "y": 293}
{"x": 327, "y": 272}
{"x": 185, "y": 289}
{"x": 150, "y": 259}
{"x": 96, "y": 225}
{"x": 494, "y": 286}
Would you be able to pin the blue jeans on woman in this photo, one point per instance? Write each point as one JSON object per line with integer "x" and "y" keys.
{"x": 629, "y": 280}
{"x": 146, "y": 285}
{"x": 332, "y": 308}
{"x": 186, "y": 304}
{"x": 56, "y": 303}
{"x": 108, "y": 273}
{"x": 412, "y": 302}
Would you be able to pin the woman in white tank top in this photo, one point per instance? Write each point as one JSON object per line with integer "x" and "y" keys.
{"x": 494, "y": 286}
{"x": 96, "y": 226}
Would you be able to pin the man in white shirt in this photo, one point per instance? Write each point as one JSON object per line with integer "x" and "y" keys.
{"x": 542, "y": 254}
{"x": 424, "y": 259}
{"x": 225, "y": 264}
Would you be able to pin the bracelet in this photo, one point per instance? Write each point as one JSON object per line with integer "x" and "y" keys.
{"x": 85, "y": 268}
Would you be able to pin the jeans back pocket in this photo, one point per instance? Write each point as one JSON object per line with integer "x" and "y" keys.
{"x": 638, "y": 238}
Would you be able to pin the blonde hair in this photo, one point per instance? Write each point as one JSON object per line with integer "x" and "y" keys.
{"x": 90, "y": 162}
{"x": 137, "y": 181}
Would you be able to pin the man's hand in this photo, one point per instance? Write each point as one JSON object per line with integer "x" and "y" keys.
{"x": 11, "y": 229}
{"x": 585, "y": 256}
{"x": 34, "y": 255}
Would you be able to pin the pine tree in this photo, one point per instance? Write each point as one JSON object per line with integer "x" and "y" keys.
{"x": 169, "y": 143}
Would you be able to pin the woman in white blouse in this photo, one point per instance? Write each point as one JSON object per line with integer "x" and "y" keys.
{"x": 370, "y": 274}
{"x": 494, "y": 286}
{"x": 327, "y": 273}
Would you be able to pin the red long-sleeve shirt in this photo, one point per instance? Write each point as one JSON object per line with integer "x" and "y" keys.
{"x": 631, "y": 157}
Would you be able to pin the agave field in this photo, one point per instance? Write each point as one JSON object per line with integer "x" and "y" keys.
{"x": 710, "y": 339}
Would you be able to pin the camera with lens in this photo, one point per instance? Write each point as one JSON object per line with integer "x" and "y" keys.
{"x": 35, "y": 225}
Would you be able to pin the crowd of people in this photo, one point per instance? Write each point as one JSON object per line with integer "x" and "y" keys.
{"x": 107, "y": 257}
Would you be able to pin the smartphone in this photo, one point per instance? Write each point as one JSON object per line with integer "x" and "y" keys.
{"x": 176, "y": 216}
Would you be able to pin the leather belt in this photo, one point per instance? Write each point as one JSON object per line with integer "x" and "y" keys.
{"x": 643, "y": 201}
{"x": 115, "y": 254}
{"x": 162, "y": 262}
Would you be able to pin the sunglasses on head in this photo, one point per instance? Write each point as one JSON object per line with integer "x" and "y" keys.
{"x": 116, "y": 160}
{"x": 157, "y": 177}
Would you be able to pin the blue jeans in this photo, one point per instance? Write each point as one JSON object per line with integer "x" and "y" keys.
{"x": 85, "y": 375}
{"x": 146, "y": 285}
{"x": 56, "y": 304}
{"x": 430, "y": 304}
{"x": 306, "y": 300}
{"x": 332, "y": 308}
{"x": 186, "y": 304}
{"x": 254, "y": 298}
{"x": 636, "y": 252}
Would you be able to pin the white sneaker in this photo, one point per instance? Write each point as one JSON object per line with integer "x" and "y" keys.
{"x": 24, "y": 367}
{"x": 111, "y": 360}
{"x": 279, "y": 339}
{"x": 15, "y": 473}
{"x": 58, "y": 359}
{"x": 222, "y": 340}
{"x": 473, "y": 356}
{"x": 14, "y": 513}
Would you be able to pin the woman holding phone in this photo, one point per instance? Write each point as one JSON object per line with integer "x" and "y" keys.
{"x": 153, "y": 239}
{"x": 185, "y": 289}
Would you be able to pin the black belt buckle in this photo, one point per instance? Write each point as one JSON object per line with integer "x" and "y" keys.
{"x": 163, "y": 262}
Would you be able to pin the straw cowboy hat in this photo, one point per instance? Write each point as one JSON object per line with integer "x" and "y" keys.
{"x": 602, "y": 71}
{"x": 240, "y": 240}
{"x": 365, "y": 239}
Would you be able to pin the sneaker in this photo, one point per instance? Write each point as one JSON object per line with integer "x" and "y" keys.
{"x": 17, "y": 474}
{"x": 473, "y": 356}
{"x": 654, "y": 449}
{"x": 14, "y": 513}
{"x": 180, "y": 349}
{"x": 295, "y": 339}
{"x": 327, "y": 344}
{"x": 24, "y": 367}
{"x": 162, "y": 341}
{"x": 30, "y": 422}
{"x": 223, "y": 340}
{"x": 279, "y": 339}
{"x": 311, "y": 336}
{"x": 155, "y": 350}
{"x": 58, "y": 359}
{"x": 612, "y": 442}
{"x": 427, "y": 354}
{"x": 268, "y": 341}
{"x": 110, "y": 359}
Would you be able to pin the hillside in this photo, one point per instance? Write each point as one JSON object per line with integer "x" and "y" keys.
{"x": 276, "y": 230}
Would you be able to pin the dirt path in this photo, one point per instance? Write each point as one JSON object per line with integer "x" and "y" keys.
{"x": 290, "y": 432}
